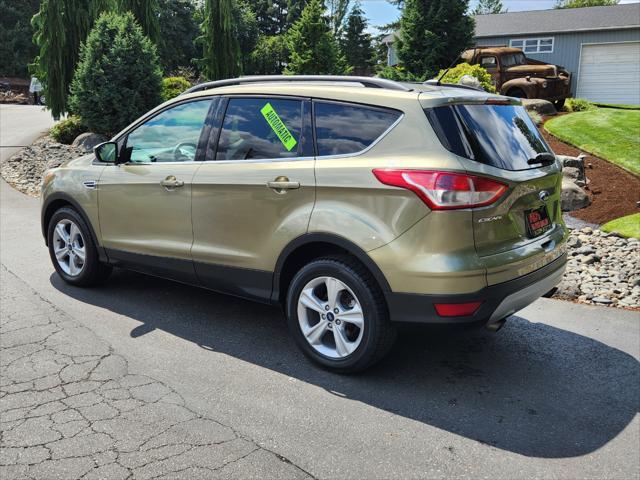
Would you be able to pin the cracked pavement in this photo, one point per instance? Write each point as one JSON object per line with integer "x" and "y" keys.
{"x": 70, "y": 408}
{"x": 554, "y": 395}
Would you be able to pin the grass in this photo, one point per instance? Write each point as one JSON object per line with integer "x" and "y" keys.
{"x": 628, "y": 226}
{"x": 605, "y": 132}
{"x": 618, "y": 105}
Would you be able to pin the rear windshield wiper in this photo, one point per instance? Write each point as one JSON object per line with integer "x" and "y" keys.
{"x": 543, "y": 158}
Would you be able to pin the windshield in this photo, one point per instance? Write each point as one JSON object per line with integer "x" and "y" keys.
{"x": 513, "y": 59}
{"x": 502, "y": 136}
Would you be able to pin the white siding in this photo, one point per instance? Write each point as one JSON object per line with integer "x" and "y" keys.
{"x": 610, "y": 73}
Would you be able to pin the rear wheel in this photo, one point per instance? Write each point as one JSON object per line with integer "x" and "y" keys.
{"x": 559, "y": 104}
{"x": 72, "y": 250}
{"x": 337, "y": 315}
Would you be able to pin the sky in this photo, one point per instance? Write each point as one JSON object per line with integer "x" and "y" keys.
{"x": 381, "y": 12}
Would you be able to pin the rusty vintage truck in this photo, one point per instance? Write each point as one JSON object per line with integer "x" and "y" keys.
{"x": 516, "y": 75}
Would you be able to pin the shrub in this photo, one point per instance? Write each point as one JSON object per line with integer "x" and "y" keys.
{"x": 399, "y": 74}
{"x": 578, "y": 105}
{"x": 118, "y": 77}
{"x": 456, "y": 73}
{"x": 66, "y": 131}
{"x": 173, "y": 86}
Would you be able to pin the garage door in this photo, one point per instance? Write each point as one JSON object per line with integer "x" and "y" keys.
{"x": 610, "y": 73}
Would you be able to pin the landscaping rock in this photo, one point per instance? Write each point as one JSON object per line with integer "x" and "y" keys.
{"x": 602, "y": 269}
{"x": 89, "y": 140}
{"x": 573, "y": 197}
{"x": 543, "y": 107}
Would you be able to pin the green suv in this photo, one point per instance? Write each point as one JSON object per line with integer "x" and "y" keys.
{"x": 354, "y": 203}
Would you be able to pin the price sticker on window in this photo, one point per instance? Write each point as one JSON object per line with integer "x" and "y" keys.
{"x": 278, "y": 127}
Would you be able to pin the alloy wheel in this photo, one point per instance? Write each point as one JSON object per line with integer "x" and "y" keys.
{"x": 330, "y": 317}
{"x": 69, "y": 247}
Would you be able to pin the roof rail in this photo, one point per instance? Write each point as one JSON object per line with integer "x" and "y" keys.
{"x": 369, "y": 82}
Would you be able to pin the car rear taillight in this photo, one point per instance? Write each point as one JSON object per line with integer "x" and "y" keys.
{"x": 457, "y": 309}
{"x": 444, "y": 190}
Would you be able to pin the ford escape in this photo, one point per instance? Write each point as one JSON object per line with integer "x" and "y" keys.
{"x": 354, "y": 203}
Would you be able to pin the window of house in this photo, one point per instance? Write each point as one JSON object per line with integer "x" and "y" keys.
{"x": 533, "y": 45}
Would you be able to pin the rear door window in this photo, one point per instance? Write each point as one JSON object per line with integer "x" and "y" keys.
{"x": 261, "y": 128}
{"x": 502, "y": 136}
{"x": 343, "y": 129}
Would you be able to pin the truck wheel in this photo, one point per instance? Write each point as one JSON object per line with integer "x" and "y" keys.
{"x": 559, "y": 104}
{"x": 516, "y": 92}
{"x": 337, "y": 315}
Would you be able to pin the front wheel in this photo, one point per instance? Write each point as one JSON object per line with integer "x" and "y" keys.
{"x": 337, "y": 315}
{"x": 72, "y": 250}
{"x": 559, "y": 104}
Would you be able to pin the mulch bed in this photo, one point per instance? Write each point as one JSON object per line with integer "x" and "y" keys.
{"x": 614, "y": 191}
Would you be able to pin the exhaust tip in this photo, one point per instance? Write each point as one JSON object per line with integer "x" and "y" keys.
{"x": 495, "y": 326}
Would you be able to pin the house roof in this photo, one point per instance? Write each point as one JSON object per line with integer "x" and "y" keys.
{"x": 558, "y": 20}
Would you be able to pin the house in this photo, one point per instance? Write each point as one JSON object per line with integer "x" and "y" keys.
{"x": 600, "y": 46}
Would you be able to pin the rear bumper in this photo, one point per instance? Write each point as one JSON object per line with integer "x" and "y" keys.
{"x": 499, "y": 301}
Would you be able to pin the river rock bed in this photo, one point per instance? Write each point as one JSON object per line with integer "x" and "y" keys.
{"x": 602, "y": 269}
{"x": 25, "y": 169}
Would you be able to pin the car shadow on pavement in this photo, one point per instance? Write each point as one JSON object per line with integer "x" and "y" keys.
{"x": 532, "y": 389}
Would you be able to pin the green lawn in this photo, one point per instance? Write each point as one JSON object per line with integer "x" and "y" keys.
{"x": 608, "y": 133}
{"x": 618, "y": 105}
{"x": 628, "y": 226}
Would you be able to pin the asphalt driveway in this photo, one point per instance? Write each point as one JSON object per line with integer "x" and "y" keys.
{"x": 555, "y": 394}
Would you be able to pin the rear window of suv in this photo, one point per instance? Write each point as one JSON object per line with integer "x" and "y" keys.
{"x": 343, "y": 129}
{"x": 502, "y": 136}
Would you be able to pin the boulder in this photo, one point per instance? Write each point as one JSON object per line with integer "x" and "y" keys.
{"x": 543, "y": 107}
{"x": 573, "y": 197}
{"x": 573, "y": 167}
{"x": 89, "y": 140}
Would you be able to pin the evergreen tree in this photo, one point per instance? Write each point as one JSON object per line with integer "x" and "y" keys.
{"x": 118, "y": 76}
{"x": 432, "y": 34}
{"x": 313, "y": 48}
{"x": 584, "y": 3}
{"x": 356, "y": 44}
{"x": 16, "y": 48}
{"x": 146, "y": 12}
{"x": 60, "y": 27}
{"x": 337, "y": 12}
{"x": 179, "y": 30}
{"x": 269, "y": 57}
{"x": 247, "y": 31}
{"x": 486, "y": 7}
{"x": 221, "y": 50}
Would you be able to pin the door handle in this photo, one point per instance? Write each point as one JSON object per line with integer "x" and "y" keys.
{"x": 171, "y": 182}
{"x": 282, "y": 184}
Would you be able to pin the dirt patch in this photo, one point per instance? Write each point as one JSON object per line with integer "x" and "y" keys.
{"x": 614, "y": 191}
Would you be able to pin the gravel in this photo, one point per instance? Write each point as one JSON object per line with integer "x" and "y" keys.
{"x": 25, "y": 169}
{"x": 603, "y": 268}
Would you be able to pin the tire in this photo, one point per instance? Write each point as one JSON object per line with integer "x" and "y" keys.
{"x": 516, "y": 92}
{"x": 361, "y": 347}
{"x": 78, "y": 272}
{"x": 559, "y": 104}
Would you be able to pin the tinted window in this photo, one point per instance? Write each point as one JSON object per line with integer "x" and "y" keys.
{"x": 343, "y": 129}
{"x": 499, "y": 135}
{"x": 171, "y": 136}
{"x": 261, "y": 128}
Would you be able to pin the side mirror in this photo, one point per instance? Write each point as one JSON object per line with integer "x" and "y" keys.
{"x": 106, "y": 152}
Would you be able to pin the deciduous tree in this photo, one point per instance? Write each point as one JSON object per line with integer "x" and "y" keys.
{"x": 146, "y": 13}
{"x": 16, "y": 47}
{"x": 486, "y": 7}
{"x": 584, "y": 3}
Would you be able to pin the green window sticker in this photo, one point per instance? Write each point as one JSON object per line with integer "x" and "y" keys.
{"x": 278, "y": 126}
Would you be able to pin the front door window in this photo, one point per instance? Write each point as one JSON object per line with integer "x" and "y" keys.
{"x": 170, "y": 136}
